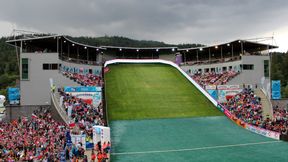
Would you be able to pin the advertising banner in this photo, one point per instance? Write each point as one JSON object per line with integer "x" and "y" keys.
{"x": 228, "y": 87}
{"x": 95, "y": 71}
{"x": 82, "y": 89}
{"x": 213, "y": 93}
{"x": 263, "y": 132}
{"x": 276, "y": 89}
{"x": 228, "y": 114}
{"x": 79, "y": 138}
{"x": 101, "y": 134}
{"x": 69, "y": 111}
{"x": 212, "y": 90}
{"x": 86, "y": 93}
{"x": 227, "y": 91}
{"x": 241, "y": 123}
{"x": 234, "y": 119}
{"x": 178, "y": 59}
{"x": 219, "y": 107}
{"x": 96, "y": 97}
{"x": 13, "y": 95}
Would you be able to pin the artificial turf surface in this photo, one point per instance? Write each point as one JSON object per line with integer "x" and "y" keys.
{"x": 149, "y": 91}
{"x": 198, "y": 139}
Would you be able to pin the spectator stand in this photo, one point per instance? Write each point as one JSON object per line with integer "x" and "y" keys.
{"x": 39, "y": 138}
{"x": 84, "y": 107}
{"x": 243, "y": 106}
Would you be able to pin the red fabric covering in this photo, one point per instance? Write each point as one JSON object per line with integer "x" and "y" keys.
{"x": 88, "y": 101}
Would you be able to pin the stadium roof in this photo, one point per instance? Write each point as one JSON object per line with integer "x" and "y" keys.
{"x": 247, "y": 45}
{"x": 50, "y": 40}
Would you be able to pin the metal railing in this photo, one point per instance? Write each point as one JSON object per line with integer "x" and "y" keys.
{"x": 212, "y": 61}
{"x": 79, "y": 61}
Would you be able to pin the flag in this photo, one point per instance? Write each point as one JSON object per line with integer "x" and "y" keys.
{"x": 34, "y": 116}
{"x": 72, "y": 125}
{"x": 15, "y": 123}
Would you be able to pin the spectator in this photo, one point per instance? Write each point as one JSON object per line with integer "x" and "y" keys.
{"x": 38, "y": 138}
{"x": 214, "y": 78}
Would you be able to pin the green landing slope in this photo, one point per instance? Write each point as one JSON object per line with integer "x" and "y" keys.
{"x": 149, "y": 91}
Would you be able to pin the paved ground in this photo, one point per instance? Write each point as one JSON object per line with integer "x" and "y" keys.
{"x": 13, "y": 112}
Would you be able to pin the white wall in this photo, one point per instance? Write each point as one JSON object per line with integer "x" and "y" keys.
{"x": 36, "y": 90}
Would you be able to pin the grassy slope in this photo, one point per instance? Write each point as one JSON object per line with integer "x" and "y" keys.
{"x": 146, "y": 91}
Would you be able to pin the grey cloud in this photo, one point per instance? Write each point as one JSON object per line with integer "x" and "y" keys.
{"x": 174, "y": 21}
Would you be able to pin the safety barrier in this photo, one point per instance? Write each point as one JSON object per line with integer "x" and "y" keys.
{"x": 59, "y": 109}
{"x": 239, "y": 122}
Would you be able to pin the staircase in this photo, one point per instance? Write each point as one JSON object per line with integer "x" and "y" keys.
{"x": 67, "y": 81}
{"x": 265, "y": 102}
{"x": 238, "y": 79}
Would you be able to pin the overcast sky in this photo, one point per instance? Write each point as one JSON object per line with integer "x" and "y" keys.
{"x": 172, "y": 21}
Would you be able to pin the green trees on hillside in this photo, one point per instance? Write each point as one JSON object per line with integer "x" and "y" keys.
{"x": 279, "y": 71}
{"x": 8, "y": 66}
{"x": 126, "y": 42}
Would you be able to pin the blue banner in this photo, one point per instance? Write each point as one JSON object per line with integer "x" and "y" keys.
{"x": 97, "y": 98}
{"x": 82, "y": 89}
{"x": 276, "y": 89}
{"x": 213, "y": 93}
{"x": 13, "y": 95}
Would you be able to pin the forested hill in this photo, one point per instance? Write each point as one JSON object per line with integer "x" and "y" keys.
{"x": 127, "y": 42}
{"x": 279, "y": 71}
{"x": 8, "y": 66}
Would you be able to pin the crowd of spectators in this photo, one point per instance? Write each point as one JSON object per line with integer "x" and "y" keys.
{"x": 85, "y": 115}
{"x": 280, "y": 122}
{"x": 210, "y": 78}
{"x": 247, "y": 107}
{"x": 39, "y": 138}
{"x": 84, "y": 79}
{"x": 102, "y": 152}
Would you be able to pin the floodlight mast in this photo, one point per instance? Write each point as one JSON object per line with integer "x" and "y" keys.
{"x": 260, "y": 39}
{"x": 29, "y": 34}
{"x": 16, "y": 50}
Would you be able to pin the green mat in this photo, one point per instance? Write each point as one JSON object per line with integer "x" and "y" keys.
{"x": 153, "y": 91}
{"x": 191, "y": 139}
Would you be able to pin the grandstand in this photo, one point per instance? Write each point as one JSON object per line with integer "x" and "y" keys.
{"x": 155, "y": 110}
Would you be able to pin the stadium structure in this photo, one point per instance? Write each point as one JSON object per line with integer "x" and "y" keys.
{"x": 44, "y": 59}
